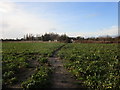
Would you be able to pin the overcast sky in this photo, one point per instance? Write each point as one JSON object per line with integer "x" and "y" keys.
{"x": 72, "y": 18}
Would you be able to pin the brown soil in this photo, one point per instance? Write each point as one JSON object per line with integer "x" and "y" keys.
{"x": 61, "y": 78}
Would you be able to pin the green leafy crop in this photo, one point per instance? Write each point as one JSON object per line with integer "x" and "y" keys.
{"x": 96, "y": 65}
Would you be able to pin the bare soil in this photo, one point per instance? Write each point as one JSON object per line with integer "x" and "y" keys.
{"x": 61, "y": 78}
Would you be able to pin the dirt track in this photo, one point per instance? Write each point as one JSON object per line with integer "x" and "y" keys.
{"x": 61, "y": 78}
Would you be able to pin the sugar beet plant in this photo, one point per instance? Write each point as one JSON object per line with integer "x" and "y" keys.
{"x": 17, "y": 56}
{"x": 96, "y": 65}
{"x": 41, "y": 79}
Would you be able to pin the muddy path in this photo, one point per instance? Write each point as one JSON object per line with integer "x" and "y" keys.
{"x": 61, "y": 78}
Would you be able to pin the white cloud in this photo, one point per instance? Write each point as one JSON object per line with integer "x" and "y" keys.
{"x": 17, "y": 22}
{"x": 6, "y": 7}
{"x": 111, "y": 31}
{"x": 62, "y": 0}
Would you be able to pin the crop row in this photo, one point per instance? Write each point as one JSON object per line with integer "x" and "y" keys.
{"x": 45, "y": 49}
{"x": 96, "y": 65}
{"x": 17, "y": 57}
{"x": 41, "y": 79}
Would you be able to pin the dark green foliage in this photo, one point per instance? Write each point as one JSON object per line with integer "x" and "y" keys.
{"x": 96, "y": 65}
{"x": 16, "y": 57}
{"x": 41, "y": 79}
{"x": 43, "y": 59}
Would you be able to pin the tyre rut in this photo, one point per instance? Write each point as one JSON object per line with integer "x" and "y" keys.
{"x": 61, "y": 78}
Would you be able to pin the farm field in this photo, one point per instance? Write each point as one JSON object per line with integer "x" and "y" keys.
{"x": 96, "y": 65}
{"x": 26, "y": 60}
{"x": 26, "y": 65}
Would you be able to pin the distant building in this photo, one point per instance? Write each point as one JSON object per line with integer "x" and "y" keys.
{"x": 72, "y": 41}
{"x": 49, "y": 40}
{"x": 55, "y": 40}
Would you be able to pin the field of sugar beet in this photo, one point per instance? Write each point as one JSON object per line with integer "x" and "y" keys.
{"x": 60, "y": 65}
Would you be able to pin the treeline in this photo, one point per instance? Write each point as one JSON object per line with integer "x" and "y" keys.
{"x": 46, "y": 37}
{"x": 105, "y": 39}
{"x": 64, "y": 38}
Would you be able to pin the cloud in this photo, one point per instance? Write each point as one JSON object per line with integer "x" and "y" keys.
{"x": 111, "y": 31}
{"x": 16, "y": 21}
{"x": 92, "y": 15}
{"x": 62, "y": 0}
